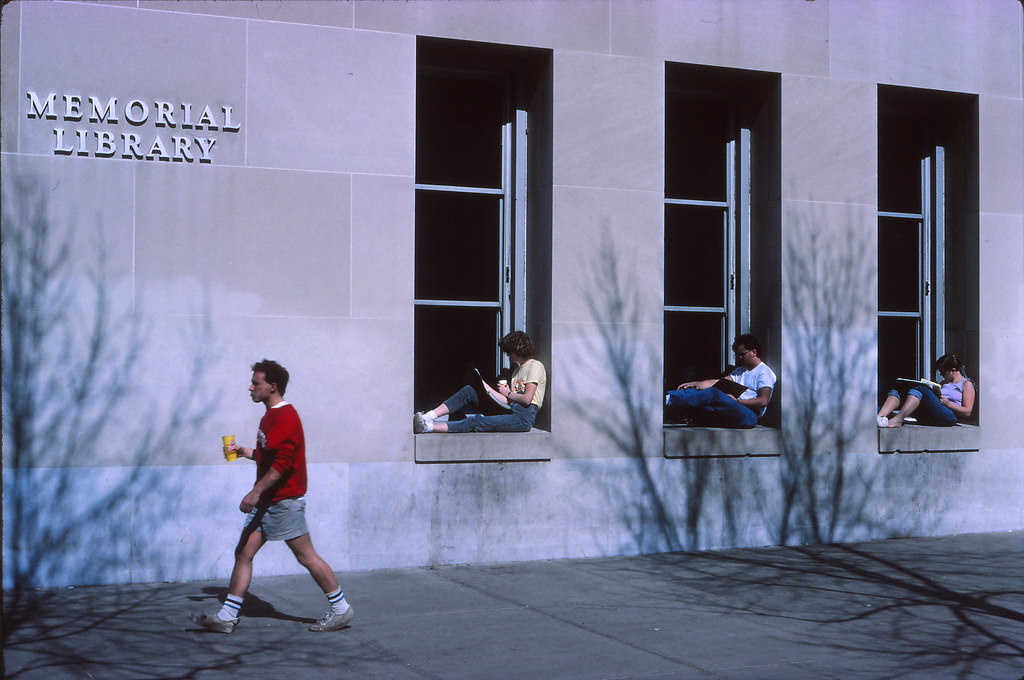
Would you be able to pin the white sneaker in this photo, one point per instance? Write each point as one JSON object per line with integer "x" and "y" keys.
{"x": 331, "y": 621}
{"x": 883, "y": 421}
{"x": 419, "y": 423}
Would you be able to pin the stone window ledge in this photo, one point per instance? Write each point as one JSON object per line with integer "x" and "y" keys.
{"x": 700, "y": 442}
{"x": 483, "y": 447}
{"x": 925, "y": 439}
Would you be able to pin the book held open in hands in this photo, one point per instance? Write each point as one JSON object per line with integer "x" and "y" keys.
{"x": 487, "y": 397}
{"x": 923, "y": 382}
{"x": 730, "y": 387}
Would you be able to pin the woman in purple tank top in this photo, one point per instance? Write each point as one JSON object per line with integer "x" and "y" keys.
{"x": 954, "y": 402}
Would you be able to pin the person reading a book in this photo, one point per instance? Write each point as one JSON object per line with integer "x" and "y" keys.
{"x": 936, "y": 404}
{"x": 735, "y": 400}
{"x": 516, "y": 402}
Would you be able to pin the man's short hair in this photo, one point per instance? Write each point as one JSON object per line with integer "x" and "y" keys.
{"x": 518, "y": 342}
{"x": 273, "y": 372}
{"x": 749, "y": 341}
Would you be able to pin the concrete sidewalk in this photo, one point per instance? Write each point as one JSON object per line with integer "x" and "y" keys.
{"x": 930, "y": 608}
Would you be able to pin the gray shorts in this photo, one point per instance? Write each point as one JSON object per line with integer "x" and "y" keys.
{"x": 280, "y": 521}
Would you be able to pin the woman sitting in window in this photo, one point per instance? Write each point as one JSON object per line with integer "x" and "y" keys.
{"x": 954, "y": 402}
{"x": 518, "y": 401}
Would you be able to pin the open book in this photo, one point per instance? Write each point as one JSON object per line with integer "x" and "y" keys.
{"x": 731, "y": 387}
{"x": 923, "y": 382}
{"x": 486, "y": 397}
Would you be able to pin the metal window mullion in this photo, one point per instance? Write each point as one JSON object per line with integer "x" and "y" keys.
{"x": 729, "y": 223}
{"x": 519, "y": 237}
{"x": 924, "y": 269}
{"x": 690, "y": 308}
{"x": 424, "y": 302}
{"x": 744, "y": 236}
{"x": 505, "y": 231}
{"x": 456, "y": 189}
{"x": 939, "y": 250}
{"x": 696, "y": 202}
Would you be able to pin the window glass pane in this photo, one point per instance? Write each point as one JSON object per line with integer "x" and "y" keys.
{"x": 694, "y": 256}
{"x": 696, "y": 133}
{"x": 899, "y": 253}
{"x": 897, "y": 350}
{"x": 450, "y": 342}
{"x": 900, "y": 150}
{"x": 458, "y": 249}
{"x": 458, "y": 130}
{"x": 693, "y": 347}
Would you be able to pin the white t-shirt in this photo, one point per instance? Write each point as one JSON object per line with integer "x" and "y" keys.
{"x": 754, "y": 379}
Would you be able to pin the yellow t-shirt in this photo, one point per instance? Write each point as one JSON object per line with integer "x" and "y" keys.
{"x": 531, "y": 371}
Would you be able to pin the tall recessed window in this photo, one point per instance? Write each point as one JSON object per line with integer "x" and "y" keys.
{"x": 473, "y": 115}
{"x": 927, "y": 275}
{"x": 712, "y": 118}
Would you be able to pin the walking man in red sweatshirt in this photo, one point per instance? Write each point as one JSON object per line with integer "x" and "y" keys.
{"x": 276, "y": 505}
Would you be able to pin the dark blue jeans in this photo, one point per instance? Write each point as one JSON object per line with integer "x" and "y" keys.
{"x": 931, "y": 411}
{"x": 711, "y": 407}
{"x": 465, "y": 402}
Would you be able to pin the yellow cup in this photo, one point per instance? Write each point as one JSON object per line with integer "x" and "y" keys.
{"x": 227, "y": 441}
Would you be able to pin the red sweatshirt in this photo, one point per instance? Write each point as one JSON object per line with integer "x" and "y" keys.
{"x": 281, "y": 444}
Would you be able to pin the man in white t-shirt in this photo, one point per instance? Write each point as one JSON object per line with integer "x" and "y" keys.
{"x": 704, "y": 404}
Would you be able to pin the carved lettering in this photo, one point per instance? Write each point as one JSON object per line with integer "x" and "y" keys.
{"x": 37, "y": 110}
{"x": 72, "y": 107}
{"x": 136, "y": 112}
{"x": 106, "y": 114}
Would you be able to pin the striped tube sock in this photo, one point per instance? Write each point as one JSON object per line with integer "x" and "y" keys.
{"x": 229, "y": 612}
{"x": 338, "y": 603}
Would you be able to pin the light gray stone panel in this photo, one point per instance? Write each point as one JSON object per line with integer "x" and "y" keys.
{"x": 1001, "y": 150}
{"x": 829, "y": 140}
{"x": 921, "y": 439}
{"x": 567, "y": 24}
{"x": 244, "y": 242}
{"x": 10, "y": 75}
{"x": 610, "y": 385}
{"x": 999, "y": 401}
{"x": 383, "y": 246}
{"x": 358, "y": 406}
{"x": 88, "y": 211}
{"x": 316, "y": 12}
{"x": 607, "y": 256}
{"x": 483, "y": 447}
{"x": 81, "y": 49}
{"x": 331, "y": 99}
{"x": 943, "y": 44}
{"x": 770, "y": 35}
{"x": 609, "y": 120}
{"x": 1001, "y": 288}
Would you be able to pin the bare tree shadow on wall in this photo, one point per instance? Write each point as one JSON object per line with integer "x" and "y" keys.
{"x": 76, "y": 503}
{"x": 826, "y": 484}
{"x": 623, "y": 422}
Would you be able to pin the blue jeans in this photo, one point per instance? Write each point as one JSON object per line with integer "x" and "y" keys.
{"x": 931, "y": 411}
{"x": 711, "y": 407}
{"x": 465, "y": 402}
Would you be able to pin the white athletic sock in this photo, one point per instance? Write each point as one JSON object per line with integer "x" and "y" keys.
{"x": 429, "y": 416}
{"x": 339, "y": 605}
{"x": 229, "y": 612}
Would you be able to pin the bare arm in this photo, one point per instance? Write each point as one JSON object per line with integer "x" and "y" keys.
{"x": 759, "y": 402}
{"x": 525, "y": 397}
{"x": 698, "y": 384}
{"x": 268, "y": 480}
